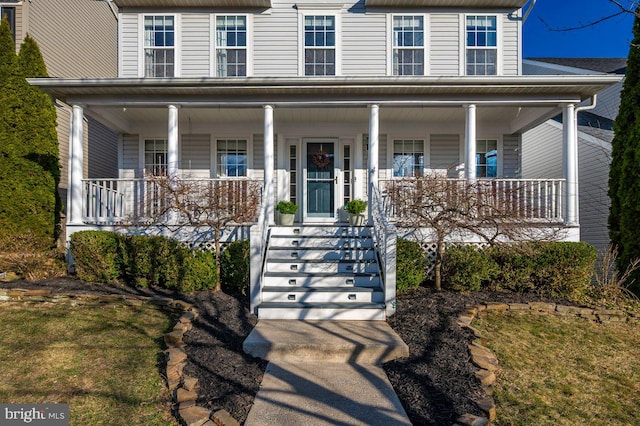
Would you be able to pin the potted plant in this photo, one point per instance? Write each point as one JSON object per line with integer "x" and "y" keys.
{"x": 356, "y": 208}
{"x": 286, "y": 213}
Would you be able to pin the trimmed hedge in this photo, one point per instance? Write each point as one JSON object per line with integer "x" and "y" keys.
{"x": 234, "y": 268}
{"x": 553, "y": 269}
{"x": 141, "y": 261}
{"x": 411, "y": 265}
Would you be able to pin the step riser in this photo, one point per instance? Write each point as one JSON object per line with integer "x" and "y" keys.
{"x": 321, "y": 243}
{"x": 321, "y": 230}
{"x": 322, "y": 254}
{"x": 321, "y": 314}
{"x": 315, "y": 281}
{"x": 331, "y": 268}
{"x": 321, "y": 297}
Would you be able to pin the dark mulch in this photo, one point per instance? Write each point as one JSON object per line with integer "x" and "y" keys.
{"x": 436, "y": 384}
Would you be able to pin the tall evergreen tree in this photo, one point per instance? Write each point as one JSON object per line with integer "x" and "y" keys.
{"x": 624, "y": 176}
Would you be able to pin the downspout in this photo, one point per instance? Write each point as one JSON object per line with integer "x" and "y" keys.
{"x": 594, "y": 102}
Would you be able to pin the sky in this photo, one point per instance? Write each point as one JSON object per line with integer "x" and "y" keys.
{"x": 545, "y": 35}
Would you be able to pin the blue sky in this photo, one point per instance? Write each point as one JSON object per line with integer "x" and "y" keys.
{"x": 610, "y": 39}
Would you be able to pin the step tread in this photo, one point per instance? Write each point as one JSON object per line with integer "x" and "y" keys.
{"x": 293, "y": 289}
{"x": 320, "y": 305}
{"x": 294, "y": 274}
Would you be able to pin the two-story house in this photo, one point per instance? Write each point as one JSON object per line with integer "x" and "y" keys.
{"x": 77, "y": 39}
{"x": 321, "y": 102}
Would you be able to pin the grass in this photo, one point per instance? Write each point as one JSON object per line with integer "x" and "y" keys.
{"x": 564, "y": 371}
{"x": 103, "y": 361}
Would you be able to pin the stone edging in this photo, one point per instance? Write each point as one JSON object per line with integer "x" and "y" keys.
{"x": 487, "y": 362}
{"x": 183, "y": 388}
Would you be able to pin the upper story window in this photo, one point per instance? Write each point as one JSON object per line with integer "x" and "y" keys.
{"x": 319, "y": 45}
{"x": 486, "y": 158}
{"x": 159, "y": 46}
{"x": 408, "y": 45}
{"x": 231, "y": 156}
{"x": 408, "y": 157}
{"x": 231, "y": 46}
{"x": 482, "y": 45}
{"x": 9, "y": 13}
{"x": 155, "y": 157}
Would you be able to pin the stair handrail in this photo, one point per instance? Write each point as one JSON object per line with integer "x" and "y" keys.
{"x": 258, "y": 241}
{"x": 385, "y": 238}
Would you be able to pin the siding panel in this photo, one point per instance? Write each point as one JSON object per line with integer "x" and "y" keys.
{"x": 196, "y": 45}
{"x": 102, "y": 151}
{"x": 511, "y": 156}
{"x": 542, "y": 152}
{"x": 364, "y": 42}
{"x": 275, "y": 42}
{"x": 129, "y": 45}
{"x": 510, "y": 49}
{"x": 130, "y": 157}
{"x": 195, "y": 160}
{"x": 258, "y": 157}
{"x": 445, "y": 153}
{"x": 445, "y": 44}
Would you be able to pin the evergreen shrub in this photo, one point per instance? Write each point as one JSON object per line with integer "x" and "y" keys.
{"x": 411, "y": 265}
{"x": 234, "y": 266}
{"x": 468, "y": 268}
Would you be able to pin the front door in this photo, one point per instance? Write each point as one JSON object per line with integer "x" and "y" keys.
{"x": 320, "y": 181}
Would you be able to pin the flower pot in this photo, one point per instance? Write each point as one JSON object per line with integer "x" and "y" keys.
{"x": 284, "y": 219}
{"x": 356, "y": 219}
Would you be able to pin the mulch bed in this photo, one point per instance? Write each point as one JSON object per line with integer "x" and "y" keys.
{"x": 436, "y": 384}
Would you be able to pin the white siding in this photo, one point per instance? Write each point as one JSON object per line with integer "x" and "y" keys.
{"x": 364, "y": 42}
{"x": 445, "y": 153}
{"x": 593, "y": 177}
{"x": 195, "y": 158}
{"x": 130, "y": 157}
{"x": 196, "y": 45}
{"x": 383, "y": 167}
{"x": 275, "y": 41}
{"x": 445, "y": 44}
{"x": 542, "y": 152}
{"x": 510, "y": 51}
{"x": 511, "y": 156}
{"x": 128, "y": 47}
{"x": 608, "y": 102}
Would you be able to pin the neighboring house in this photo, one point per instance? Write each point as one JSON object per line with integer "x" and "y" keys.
{"x": 320, "y": 102}
{"x": 78, "y": 39}
{"x": 542, "y": 146}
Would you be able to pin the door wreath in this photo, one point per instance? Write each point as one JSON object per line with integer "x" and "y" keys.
{"x": 321, "y": 159}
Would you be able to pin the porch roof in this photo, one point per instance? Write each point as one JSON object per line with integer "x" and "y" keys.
{"x": 250, "y": 91}
{"x": 512, "y": 4}
{"x": 193, "y": 3}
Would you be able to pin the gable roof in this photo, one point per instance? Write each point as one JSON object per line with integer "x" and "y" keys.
{"x": 602, "y": 65}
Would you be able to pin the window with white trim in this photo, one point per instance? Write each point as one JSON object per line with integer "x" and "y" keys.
{"x": 319, "y": 45}
{"x": 408, "y": 157}
{"x": 486, "y": 158}
{"x": 231, "y": 46}
{"x": 9, "y": 13}
{"x": 482, "y": 45}
{"x": 408, "y": 45}
{"x": 231, "y": 156}
{"x": 155, "y": 157}
{"x": 159, "y": 46}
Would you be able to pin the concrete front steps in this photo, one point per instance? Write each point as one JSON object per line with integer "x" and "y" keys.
{"x": 321, "y": 273}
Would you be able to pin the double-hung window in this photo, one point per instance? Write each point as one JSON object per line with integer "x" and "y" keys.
{"x": 319, "y": 45}
{"x": 231, "y": 156}
{"x": 231, "y": 46}
{"x": 482, "y": 45}
{"x": 408, "y": 45}
{"x": 155, "y": 157}
{"x": 408, "y": 157}
{"x": 159, "y": 46}
{"x": 9, "y": 13}
{"x": 486, "y": 158}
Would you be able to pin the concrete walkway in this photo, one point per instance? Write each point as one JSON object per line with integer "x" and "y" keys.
{"x": 325, "y": 373}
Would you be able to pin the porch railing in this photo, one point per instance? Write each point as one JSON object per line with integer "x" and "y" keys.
{"x": 534, "y": 200}
{"x": 123, "y": 201}
{"x": 385, "y": 238}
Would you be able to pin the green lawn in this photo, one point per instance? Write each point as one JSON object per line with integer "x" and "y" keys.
{"x": 564, "y": 371}
{"x": 103, "y": 361}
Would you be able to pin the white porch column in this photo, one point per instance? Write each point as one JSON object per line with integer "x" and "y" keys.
{"x": 374, "y": 130}
{"x": 470, "y": 143}
{"x": 172, "y": 142}
{"x": 269, "y": 190}
{"x": 76, "y": 167}
{"x": 570, "y": 163}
